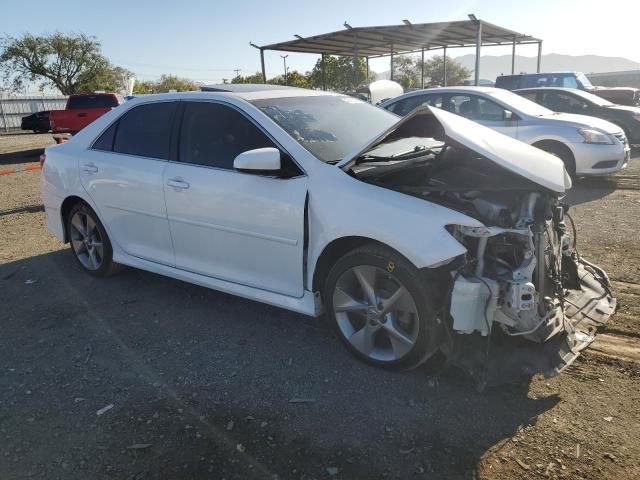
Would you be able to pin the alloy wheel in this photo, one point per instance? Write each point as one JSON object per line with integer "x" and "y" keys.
{"x": 376, "y": 313}
{"x": 86, "y": 241}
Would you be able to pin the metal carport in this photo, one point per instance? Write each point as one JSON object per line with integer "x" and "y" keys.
{"x": 391, "y": 40}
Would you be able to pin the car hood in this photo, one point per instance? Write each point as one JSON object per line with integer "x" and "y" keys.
{"x": 624, "y": 108}
{"x": 581, "y": 121}
{"x": 524, "y": 160}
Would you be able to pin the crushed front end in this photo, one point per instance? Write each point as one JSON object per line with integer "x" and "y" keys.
{"x": 523, "y": 301}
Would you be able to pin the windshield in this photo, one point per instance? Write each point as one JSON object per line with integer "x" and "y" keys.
{"x": 329, "y": 126}
{"x": 590, "y": 97}
{"x": 520, "y": 104}
{"x": 582, "y": 78}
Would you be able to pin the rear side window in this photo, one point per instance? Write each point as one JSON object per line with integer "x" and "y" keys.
{"x": 214, "y": 135}
{"x": 92, "y": 101}
{"x": 509, "y": 82}
{"x": 105, "y": 141}
{"x": 146, "y": 130}
{"x": 404, "y": 107}
{"x": 529, "y": 96}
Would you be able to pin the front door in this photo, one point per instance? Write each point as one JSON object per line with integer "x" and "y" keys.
{"x": 484, "y": 111}
{"x": 240, "y": 227}
{"x": 123, "y": 174}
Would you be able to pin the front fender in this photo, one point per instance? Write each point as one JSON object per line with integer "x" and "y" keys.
{"x": 413, "y": 227}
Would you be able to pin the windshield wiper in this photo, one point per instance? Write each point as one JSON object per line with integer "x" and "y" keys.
{"x": 417, "y": 151}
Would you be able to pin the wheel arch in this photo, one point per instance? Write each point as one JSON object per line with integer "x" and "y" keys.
{"x": 65, "y": 208}
{"x": 553, "y": 143}
{"x": 336, "y": 249}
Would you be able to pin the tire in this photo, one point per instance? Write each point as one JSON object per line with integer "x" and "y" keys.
{"x": 369, "y": 332}
{"x": 563, "y": 153}
{"x": 89, "y": 241}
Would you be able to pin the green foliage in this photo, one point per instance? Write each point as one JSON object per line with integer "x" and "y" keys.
{"x": 341, "y": 73}
{"x": 255, "y": 78}
{"x": 434, "y": 71}
{"x": 71, "y": 63}
{"x": 293, "y": 79}
{"x": 165, "y": 84}
{"x": 406, "y": 71}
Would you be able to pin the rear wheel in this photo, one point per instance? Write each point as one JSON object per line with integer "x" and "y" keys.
{"x": 380, "y": 309}
{"x": 89, "y": 241}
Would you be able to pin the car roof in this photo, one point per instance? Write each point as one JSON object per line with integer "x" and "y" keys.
{"x": 538, "y": 89}
{"x": 247, "y": 92}
{"x": 468, "y": 89}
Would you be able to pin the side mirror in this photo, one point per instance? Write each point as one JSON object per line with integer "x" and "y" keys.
{"x": 507, "y": 114}
{"x": 258, "y": 160}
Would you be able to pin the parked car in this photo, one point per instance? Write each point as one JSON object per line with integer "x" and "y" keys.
{"x": 435, "y": 233}
{"x": 571, "y": 100}
{"x": 37, "y": 122}
{"x": 586, "y": 145}
{"x": 619, "y": 95}
{"x": 81, "y": 110}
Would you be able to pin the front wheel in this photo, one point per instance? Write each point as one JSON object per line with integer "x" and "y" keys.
{"x": 380, "y": 308}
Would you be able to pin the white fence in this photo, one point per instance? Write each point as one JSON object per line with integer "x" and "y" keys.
{"x": 12, "y": 109}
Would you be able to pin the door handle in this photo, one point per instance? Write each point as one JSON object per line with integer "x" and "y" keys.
{"x": 177, "y": 183}
{"x": 83, "y": 114}
{"x": 90, "y": 168}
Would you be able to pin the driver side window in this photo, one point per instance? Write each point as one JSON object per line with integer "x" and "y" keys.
{"x": 214, "y": 135}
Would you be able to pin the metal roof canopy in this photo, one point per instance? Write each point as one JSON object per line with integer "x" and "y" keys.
{"x": 391, "y": 40}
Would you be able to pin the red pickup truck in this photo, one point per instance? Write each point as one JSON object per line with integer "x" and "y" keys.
{"x": 81, "y": 110}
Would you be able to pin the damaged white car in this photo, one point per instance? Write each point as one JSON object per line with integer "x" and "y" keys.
{"x": 415, "y": 236}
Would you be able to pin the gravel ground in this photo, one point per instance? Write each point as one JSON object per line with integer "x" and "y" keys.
{"x": 140, "y": 376}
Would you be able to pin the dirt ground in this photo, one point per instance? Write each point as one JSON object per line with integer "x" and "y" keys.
{"x": 140, "y": 376}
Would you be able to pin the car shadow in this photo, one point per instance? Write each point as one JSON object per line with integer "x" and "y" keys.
{"x": 205, "y": 383}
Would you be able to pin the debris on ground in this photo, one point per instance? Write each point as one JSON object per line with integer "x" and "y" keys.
{"x": 104, "y": 410}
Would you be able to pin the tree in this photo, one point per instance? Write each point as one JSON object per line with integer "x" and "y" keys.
{"x": 406, "y": 71}
{"x": 165, "y": 84}
{"x": 255, "y": 78}
{"x": 71, "y": 63}
{"x": 293, "y": 79}
{"x": 340, "y": 73}
{"x": 434, "y": 71}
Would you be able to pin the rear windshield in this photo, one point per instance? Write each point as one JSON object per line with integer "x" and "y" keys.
{"x": 93, "y": 101}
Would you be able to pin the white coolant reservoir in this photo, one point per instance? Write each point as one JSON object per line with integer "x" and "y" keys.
{"x": 469, "y": 300}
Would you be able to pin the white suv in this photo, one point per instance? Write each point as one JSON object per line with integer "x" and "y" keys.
{"x": 586, "y": 145}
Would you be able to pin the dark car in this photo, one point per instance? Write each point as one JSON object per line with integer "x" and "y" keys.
{"x": 38, "y": 122}
{"x": 570, "y": 100}
{"x": 618, "y": 95}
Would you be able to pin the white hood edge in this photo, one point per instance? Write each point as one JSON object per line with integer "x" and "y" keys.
{"x": 518, "y": 157}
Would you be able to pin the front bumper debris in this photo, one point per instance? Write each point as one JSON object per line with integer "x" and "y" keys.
{"x": 507, "y": 359}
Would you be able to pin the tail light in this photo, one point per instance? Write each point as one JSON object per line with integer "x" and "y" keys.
{"x": 43, "y": 157}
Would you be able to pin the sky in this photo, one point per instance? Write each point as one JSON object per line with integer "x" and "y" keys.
{"x": 207, "y": 40}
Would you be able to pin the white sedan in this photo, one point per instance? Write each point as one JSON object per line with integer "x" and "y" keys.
{"x": 587, "y": 145}
{"x": 416, "y": 235}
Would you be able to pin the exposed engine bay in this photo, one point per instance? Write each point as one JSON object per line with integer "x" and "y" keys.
{"x": 522, "y": 301}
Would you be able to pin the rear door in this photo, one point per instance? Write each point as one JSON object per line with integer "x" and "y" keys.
{"x": 123, "y": 174}
{"x": 245, "y": 228}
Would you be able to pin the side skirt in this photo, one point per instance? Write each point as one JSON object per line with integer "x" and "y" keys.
{"x": 308, "y": 304}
